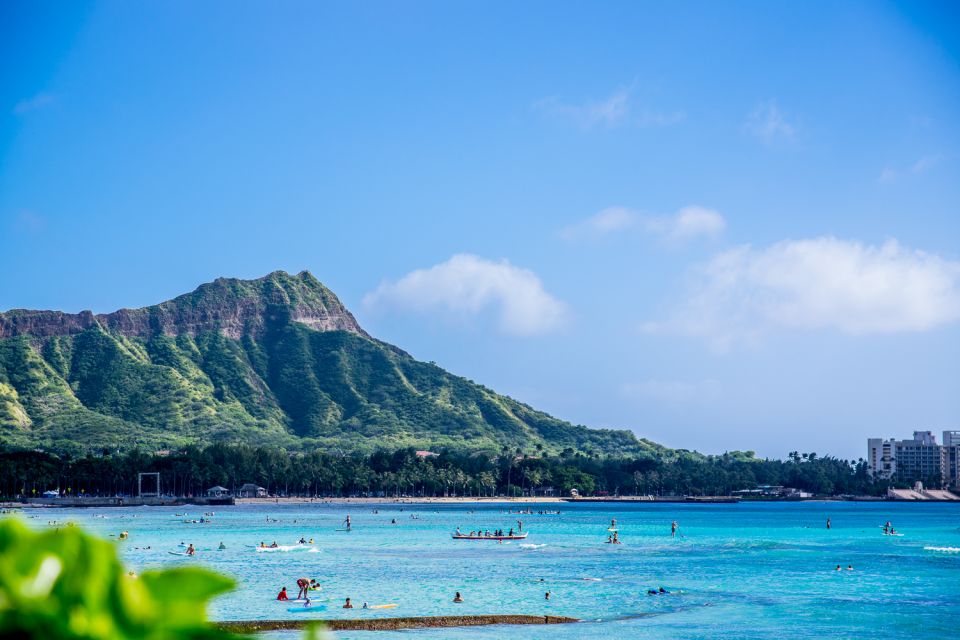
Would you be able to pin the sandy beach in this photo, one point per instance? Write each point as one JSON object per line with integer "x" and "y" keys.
{"x": 452, "y": 500}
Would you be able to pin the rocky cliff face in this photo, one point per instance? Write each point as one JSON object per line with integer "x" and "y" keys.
{"x": 230, "y": 306}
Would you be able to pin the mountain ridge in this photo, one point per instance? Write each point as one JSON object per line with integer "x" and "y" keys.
{"x": 160, "y": 318}
{"x": 277, "y": 360}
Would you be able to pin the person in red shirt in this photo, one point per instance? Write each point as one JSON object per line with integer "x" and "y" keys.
{"x": 283, "y": 594}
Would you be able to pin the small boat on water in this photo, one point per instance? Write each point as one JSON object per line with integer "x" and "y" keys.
{"x": 464, "y": 536}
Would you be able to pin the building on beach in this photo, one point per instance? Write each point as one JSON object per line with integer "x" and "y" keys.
{"x": 951, "y": 458}
{"x": 251, "y": 490}
{"x": 772, "y": 491}
{"x": 217, "y": 492}
{"x": 918, "y": 459}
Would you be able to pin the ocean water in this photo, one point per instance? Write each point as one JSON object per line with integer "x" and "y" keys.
{"x": 735, "y": 570}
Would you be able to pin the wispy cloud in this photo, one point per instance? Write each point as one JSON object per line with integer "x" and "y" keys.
{"x": 820, "y": 283}
{"x": 768, "y": 123}
{"x": 38, "y": 101}
{"x": 467, "y": 285}
{"x": 30, "y": 222}
{"x": 687, "y": 223}
{"x": 922, "y": 165}
{"x": 600, "y": 224}
{"x": 925, "y": 163}
{"x": 678, "y": 392}
{"x": 616, "y": 110}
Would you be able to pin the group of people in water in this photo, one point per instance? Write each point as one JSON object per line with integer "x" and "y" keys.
{"x": 479, "y": 533}
{"x": 529, "y": 512}
{"x": 306, "y": 585}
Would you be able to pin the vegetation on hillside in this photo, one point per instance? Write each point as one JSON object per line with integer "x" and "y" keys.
{"x": 126, "y": 382}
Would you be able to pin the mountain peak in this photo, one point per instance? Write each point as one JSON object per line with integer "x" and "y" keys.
{"x": 231, "y": 306}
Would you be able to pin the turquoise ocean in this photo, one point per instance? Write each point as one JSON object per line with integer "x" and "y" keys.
{"x": 748, "y": 570}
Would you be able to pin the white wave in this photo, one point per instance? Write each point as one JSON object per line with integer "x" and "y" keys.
{"x": 288, "y": 547}
{"x": 944, "y": 549}
{"x": 532, "y": 546}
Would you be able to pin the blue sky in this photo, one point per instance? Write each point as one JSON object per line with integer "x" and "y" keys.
{"x": 722, "y": 225}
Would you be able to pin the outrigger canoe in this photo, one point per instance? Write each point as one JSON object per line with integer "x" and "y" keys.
{"x": 463, "y": 536}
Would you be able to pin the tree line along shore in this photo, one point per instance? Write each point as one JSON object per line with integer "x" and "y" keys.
{"x": 407, "y": 472}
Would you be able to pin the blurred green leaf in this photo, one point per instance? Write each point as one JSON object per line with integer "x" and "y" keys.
{"x": 68, "y": 585}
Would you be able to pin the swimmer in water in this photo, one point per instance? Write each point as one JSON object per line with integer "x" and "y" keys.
{"x": 828, "y": 523}
{"x": 457, "y": 597}
{"x": 222, "y": 546}
{"x": 191, "y": 550}
{"x": 546, "y": 596}
{"x": 849, "y": 567}
{"x": 348, "y": 604}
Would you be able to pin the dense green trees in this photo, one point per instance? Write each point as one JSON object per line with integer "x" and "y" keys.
{"x": 192, "y": 470}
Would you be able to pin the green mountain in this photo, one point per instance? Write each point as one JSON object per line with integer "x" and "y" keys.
{"x": 274, "y": 361}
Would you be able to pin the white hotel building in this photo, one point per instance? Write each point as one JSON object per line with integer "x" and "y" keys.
{"x": 920, "y": 458}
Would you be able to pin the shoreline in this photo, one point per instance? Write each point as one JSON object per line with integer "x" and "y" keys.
{"x": 98, "y": 503}
{"x": 390, "y": 624}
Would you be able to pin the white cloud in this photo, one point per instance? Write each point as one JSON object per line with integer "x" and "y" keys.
{"x": 768, "y": 123}
{"x": 467, "y": 284}
{"x": 821, "y": 283}
{"x": 32, "y": 104}
{"x": 613, "y": 111}
{"x": 687, "y": 223}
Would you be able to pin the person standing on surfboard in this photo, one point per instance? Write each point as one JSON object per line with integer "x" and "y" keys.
{"x": 304, "y": 586}
{"x": 347, "y": 522}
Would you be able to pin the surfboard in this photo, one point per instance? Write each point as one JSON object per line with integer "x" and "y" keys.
{"x": 381, "y": 606}
{"x": 178, "y": 553}
{"x": 319, "y": 607}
